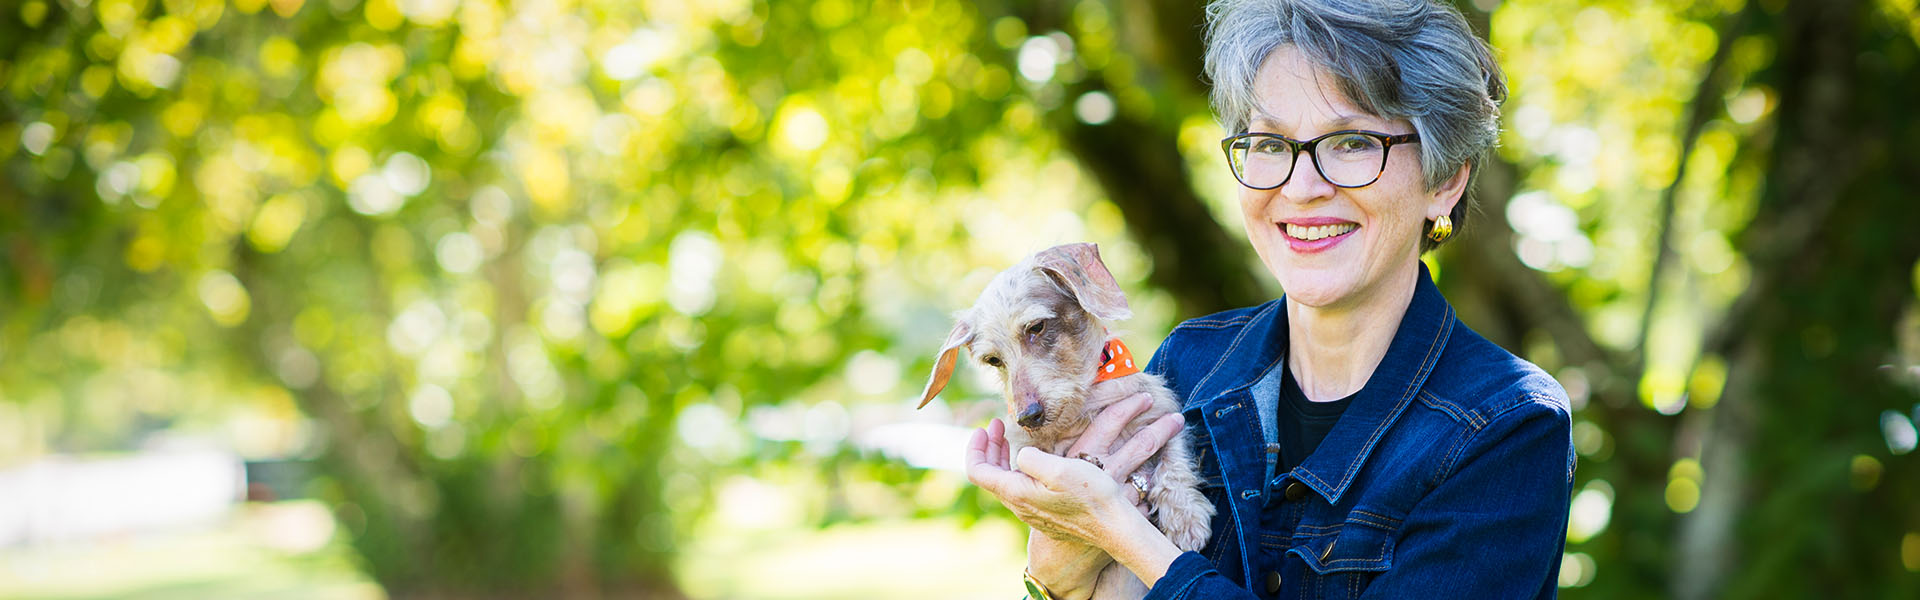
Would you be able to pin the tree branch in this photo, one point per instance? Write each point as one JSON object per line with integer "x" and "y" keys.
{"x": 1699, "y": 111}
{"x": 1139, "y": 166}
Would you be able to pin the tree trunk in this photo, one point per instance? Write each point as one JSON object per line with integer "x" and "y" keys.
{"x": 1801, "y": 492}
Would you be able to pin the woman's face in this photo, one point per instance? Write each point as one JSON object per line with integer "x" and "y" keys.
{"x": 1383, "y": 221}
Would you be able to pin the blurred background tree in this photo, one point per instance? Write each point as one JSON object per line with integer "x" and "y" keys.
{"x": 541, "y": 287}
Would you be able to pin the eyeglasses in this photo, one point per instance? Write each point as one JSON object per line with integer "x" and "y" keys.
{"x": 1348, "y": 159}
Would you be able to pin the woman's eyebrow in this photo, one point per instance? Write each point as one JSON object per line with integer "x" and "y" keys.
{"x": 1269, "y": 122}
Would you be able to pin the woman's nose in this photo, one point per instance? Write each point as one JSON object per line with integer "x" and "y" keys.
{"x": 1305, "y": 183}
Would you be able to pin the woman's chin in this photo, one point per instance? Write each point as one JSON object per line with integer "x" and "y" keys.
{"x": 1314, "y": 291}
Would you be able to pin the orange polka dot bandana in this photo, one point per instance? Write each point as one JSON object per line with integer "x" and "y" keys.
{"x": 1115, "y": 361}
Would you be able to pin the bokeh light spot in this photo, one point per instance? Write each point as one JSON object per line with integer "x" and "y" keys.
{"x": 1094, "y": 108}
{"x": 430, "y": 406}
{"x": 1898, "y": 431}
{"x": 1577, "y": 569}
{"x": 1590, "y": 512}
{"x": 1039, "y": 56}
{"x": 224, "y": 298}
{"x": 800, "y": 127}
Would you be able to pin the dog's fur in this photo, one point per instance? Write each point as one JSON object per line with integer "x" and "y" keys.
{"x": 1044, "y": 322}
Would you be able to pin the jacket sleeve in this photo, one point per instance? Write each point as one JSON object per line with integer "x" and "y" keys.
{"x": 1497, "y": 526}
{"x": 1191, "y": 576}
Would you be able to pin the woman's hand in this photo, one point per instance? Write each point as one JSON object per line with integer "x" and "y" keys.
{"x": 1071, "y": 507}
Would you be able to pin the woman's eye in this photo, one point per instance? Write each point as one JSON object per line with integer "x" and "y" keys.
{"x": 993, "y": 360}
{"x": 1036, "y": 327}
{"x": 1355, "y": 143}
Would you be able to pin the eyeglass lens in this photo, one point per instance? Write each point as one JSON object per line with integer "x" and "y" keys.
{"x": 1347, "y": 160}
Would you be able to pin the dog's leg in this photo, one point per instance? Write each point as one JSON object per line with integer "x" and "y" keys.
{"x": 1181, "y": 511}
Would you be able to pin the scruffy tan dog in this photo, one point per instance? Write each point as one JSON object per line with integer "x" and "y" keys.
{"x": 1041, "y": 325}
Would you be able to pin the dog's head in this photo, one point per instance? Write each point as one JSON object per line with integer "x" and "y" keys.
{"x": 1040, "y": 326}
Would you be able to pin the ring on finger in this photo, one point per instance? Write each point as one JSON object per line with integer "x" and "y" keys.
{"x": 1092, "y": 459}
{"x": 1139, "y": 483}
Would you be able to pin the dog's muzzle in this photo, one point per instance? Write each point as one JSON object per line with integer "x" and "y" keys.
{"x": 1032, "y": 416}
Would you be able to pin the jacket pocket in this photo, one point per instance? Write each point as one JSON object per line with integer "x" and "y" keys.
{"x": 1342, "y": 562}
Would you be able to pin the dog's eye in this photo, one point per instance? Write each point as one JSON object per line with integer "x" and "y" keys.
{"x": 993, "y": 360}
{"x": 1036, "y": 327}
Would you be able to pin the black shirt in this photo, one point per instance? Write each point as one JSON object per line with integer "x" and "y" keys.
{"x": 1303, "y": 423}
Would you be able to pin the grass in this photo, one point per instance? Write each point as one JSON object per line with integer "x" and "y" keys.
{"x": 248, "y": 556}
{"x": 287, "y": 551}
{"x": 926, "y": 559}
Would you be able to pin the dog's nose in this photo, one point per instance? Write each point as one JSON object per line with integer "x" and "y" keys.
{"x": 1032, "y": 416}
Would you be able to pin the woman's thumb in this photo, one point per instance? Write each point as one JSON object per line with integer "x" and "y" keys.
{"x": 1042, "y": 467}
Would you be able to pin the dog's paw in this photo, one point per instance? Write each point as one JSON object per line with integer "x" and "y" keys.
{"x": 1187, "y": 520}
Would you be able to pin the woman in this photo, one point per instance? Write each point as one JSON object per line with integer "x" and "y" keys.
{"x": 1355, "y": 438}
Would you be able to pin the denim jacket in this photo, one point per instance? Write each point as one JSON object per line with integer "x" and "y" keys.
{"x": 1448, "y": 475}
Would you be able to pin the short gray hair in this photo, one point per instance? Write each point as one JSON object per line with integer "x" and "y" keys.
{"x": 1399, "y": 59}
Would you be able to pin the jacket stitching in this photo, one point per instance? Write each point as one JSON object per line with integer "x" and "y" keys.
{"x": 1213, "y": 323}
{"x": 1467, "y": 440}
{"x": 1459, "y": 413}
{"x": 1186, "y": 589}
{"x": 1452, "y": 459}
{"x": 1377, "y": 559}
{"x": 1374, "y": 523}
{"x": 1237, "y": 338}
{"x": 1571, "y": 459}
{"x": 1377, "y": 520}
{"x": 1377, "y": 516}
{"x": 1449, "y": 408}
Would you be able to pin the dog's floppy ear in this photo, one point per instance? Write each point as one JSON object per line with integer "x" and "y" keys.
{"x": 943, "y": 366}
{"x": 1078, "y": 267}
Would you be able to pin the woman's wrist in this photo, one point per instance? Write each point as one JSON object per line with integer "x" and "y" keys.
{"x": 1137, "y": 545}
{"x": 1068, "y": 569}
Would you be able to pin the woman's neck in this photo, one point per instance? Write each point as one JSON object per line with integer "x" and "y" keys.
{"x": 1333, "y": 350}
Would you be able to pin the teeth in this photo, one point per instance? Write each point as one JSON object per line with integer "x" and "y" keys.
{"x": 1318, "y": 232}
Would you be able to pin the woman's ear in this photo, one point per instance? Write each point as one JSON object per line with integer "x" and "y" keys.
{"x": 1443, "y": 199}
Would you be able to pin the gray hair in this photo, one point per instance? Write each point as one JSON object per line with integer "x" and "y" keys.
{"x": 1398, "y": 59}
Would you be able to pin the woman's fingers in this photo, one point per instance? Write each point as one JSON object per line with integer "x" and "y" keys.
{"x": 1106, "y": 427}
{"x": 1147, "y": 441}
{"x": 1061, "y": 474}
{"x": 997, "y": 444}
{"x": 999, "y": 481}
{"x": 988, "y": 466}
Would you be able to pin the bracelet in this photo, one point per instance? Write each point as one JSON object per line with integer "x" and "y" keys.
{"x": 1035, "y": 589}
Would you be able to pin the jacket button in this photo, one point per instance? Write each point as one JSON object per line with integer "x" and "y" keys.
{"x": 1296, "y": 491}
{"x": 1273, "y": 582}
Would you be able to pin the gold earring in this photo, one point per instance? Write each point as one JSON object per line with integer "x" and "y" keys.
{"x": 1442, "y": 227}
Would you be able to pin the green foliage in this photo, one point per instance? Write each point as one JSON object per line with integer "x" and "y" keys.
{"x": 535, "y": 281}
{"x": 480, "y": 259}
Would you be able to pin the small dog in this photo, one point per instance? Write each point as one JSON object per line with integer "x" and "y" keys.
{"x": 1041, "y": 325}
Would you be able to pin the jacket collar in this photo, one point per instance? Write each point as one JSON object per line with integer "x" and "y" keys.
{"x": 1417, "y": 344}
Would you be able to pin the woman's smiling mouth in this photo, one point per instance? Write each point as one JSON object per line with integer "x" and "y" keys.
{"x": 1311, "y": 236}
{"x": 1319, "y": 232}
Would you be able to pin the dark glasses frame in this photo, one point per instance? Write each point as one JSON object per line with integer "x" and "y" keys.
{"x": 1387, "y": 142}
